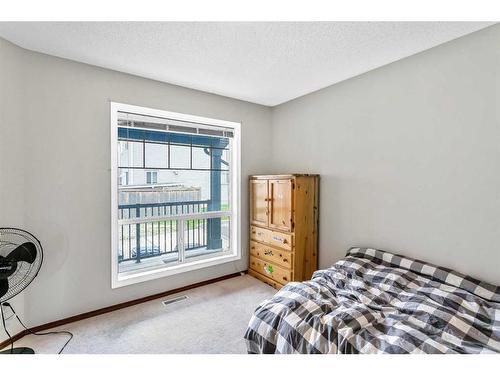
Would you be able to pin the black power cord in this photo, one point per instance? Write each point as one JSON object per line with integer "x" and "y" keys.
{"x": 6, "y": 331}
{"x": 30, "y": 331}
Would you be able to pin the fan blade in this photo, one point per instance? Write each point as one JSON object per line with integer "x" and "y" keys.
{"x": 4, "y": 287}
{"x": 23, "y": 253}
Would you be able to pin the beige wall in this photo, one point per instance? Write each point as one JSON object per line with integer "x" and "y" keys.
{"x": 12, "y": 148}
{"x": 65, "y": 119}
{"x": 12, "y": 155}
{"x": 409, "y": 156}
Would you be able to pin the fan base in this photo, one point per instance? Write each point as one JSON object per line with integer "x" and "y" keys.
{"x": 21, "y": 350}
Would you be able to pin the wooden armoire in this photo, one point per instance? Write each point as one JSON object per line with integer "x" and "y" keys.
{"x": 283, "y": 227}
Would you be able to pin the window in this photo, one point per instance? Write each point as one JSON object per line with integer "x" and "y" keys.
{"x": 175, "y": 193}
{"x": 151, "y": 177}
{"x": 123, "y": 178}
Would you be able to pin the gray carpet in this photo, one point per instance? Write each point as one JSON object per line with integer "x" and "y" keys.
{"x": 212, "y": 320}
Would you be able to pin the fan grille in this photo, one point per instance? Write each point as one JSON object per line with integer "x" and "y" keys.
{"x": 10, "y": 238}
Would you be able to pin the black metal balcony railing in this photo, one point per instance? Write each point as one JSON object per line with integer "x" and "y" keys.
{"x": 159, "y": 237}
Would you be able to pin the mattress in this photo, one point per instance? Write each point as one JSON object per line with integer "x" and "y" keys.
{"x": 373, "y": 301}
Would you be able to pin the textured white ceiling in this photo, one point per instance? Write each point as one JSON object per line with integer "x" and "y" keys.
{"x": 265, "y": 63}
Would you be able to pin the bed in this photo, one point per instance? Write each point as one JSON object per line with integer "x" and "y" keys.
{"x": 373, "y": 301}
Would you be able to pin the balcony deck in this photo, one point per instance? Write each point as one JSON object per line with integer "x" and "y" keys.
{"x": 148, "y": 234}
{"x": 161, "y": 260}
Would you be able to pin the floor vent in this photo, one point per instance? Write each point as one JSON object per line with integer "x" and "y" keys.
{"x": 174, "y": 300}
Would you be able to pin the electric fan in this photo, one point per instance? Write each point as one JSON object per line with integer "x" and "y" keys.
{"x": 21, "y": 257}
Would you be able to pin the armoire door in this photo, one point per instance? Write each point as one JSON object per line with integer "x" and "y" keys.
{"x": 259, "y": 202}
{"x": 280, "y": 204}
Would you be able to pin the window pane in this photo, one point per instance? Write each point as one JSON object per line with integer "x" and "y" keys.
{"x": 205, "y": 190}
{"x": 226, "y": 159}
{"x": 220, "y": 159}
{"x": 124, "y": 177}
{"x": 225, "y": 191}
{"x": 146, "y": 245}
{"x": 178, "y": 192}
{"x": 156, "y": 155}
{"x": 165, "y": 172}
{"x": 201, "y": 158}
{"x": 180, "y": 156}
{"x": 130, "y": 154}
{"x": 206, "y": 236}
{"x": 151, "y": 177}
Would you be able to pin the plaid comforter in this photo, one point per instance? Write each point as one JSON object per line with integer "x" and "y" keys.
{"x": 377, "y": 302}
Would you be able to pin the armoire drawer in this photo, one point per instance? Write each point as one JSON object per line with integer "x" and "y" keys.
{"x": 270, "y": 270}
{"x": 271, "y": 237}
{"x": 280, "y": 257}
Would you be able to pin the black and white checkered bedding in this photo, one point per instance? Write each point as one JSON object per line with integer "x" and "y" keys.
{"x": 373, "y": 301}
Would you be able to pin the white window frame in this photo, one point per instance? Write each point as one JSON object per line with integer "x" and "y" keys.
{"x": 234, "y": 253}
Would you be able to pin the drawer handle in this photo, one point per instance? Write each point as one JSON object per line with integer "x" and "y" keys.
{"x": 284, "y": 259}
{"x": 284, "y": 278}
{"x": 268, "y": 252}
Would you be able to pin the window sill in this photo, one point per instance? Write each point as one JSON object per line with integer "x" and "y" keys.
{"x": 153, "y": 274}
